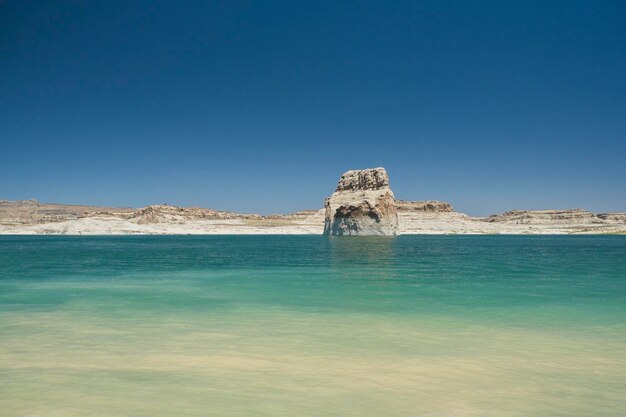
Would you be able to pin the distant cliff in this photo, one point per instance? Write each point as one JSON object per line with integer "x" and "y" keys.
{"x": 33, "y": 212}
{"x": 613, "y": 217}
{"x": 571, "y": 216}
{"x": 431, "y": 206}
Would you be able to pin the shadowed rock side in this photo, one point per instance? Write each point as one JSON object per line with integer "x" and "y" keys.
{"x": 613, "y": 217}
{"x": 363, "y": 204}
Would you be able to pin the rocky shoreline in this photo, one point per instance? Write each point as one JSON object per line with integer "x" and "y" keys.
{"x": 18, "y": 217}
{"x": 362, "y": 204}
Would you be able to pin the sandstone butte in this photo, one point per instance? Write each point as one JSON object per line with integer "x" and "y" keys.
{"x": 362, "y": 204}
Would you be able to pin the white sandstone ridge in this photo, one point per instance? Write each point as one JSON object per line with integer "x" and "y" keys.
{"x": 363, "y": 204}
{"x": 32, "y": 217}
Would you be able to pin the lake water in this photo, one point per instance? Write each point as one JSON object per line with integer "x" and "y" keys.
{"x": 445, "y": 326}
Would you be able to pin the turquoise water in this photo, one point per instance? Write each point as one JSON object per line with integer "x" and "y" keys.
{"x": 436, "y": 326}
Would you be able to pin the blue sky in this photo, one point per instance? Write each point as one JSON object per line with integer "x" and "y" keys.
{"x": 260, "y": 106}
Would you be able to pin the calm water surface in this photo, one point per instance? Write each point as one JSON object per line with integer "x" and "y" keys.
{"x": 446, "y": 326}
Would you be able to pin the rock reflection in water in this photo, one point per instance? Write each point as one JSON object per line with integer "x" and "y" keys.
{"x": 363, "y": 257}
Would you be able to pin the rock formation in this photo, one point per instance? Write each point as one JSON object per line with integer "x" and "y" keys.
{"x": 29, "y": 212}
{"x": 424, "y": 206}
{"x": 363, "y": 204}
{"x": 613, "y": 217}
{"x": 164, "y": 213}
{"x": 571, "y": 216}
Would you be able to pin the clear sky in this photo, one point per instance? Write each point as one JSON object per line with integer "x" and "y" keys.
{"x": 260, "y": 106}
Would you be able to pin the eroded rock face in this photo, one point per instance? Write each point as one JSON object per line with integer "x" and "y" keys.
{"x": 164, "y": 213}
{"x": 28, "y": 212}
{"x": 571, "y": 216}
{"x": 363, "y": 204}
{"x": 613, "y": 217}
{"x": 431, "y": 206}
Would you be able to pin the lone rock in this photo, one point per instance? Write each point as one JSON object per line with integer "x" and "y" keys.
{"x": 363, "y": 204}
